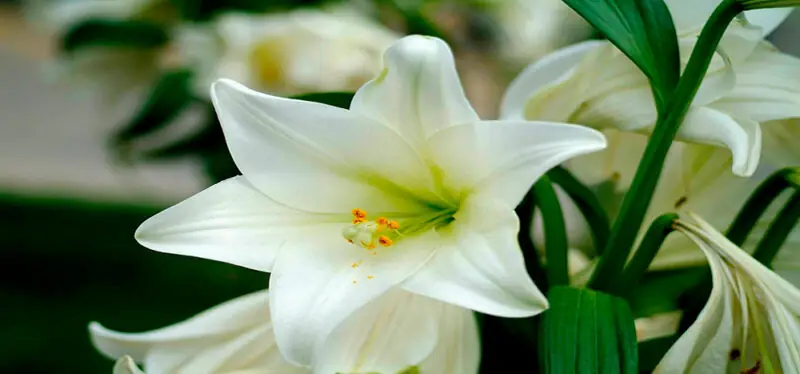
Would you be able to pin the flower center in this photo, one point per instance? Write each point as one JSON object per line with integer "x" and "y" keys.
{"x": 385, "y": 232}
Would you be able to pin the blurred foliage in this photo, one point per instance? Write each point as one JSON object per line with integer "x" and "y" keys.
{"x": 66, "y": 263}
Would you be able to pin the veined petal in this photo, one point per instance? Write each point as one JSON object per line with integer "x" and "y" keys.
{"x": 690, "y": 15}
{"x": 504, "y": 158}
{"x": 236, "y": 335}
{"x": 317, "y": 157}
{"x": 230, "y": 221}
{"x": 389, "y": 334}
{"x": 418, "y": 91}
{"x": 479, "y": 264}
{"x": 550, "y": 69}
{"x": 459, "y": 345}
{"x": 741, "y": 136}
{"x": 318, "y": 283}
{"x": 125, "y": 365}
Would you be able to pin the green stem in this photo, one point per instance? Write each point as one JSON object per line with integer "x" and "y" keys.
{"x": 778, "y": 231}
{"x": 644, "y": 255}
{"x": 555, "y": 232}
{"x": 637, "y": 200}
{"x": 756, "y": 205}
{"x": 525, "y": 211}
{"x": 587, "y": 203}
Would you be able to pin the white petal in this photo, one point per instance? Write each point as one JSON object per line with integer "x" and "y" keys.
{"x": 389, "y": 334}
{"x": 317, "y": 284}
{"x": 459, "y": 348}
{"x": 230, "y": 221}
{"x": 235, "y": 335}
{"x": 742, "y": 136}
{"x": 504, "y": 158}
{"x": 767, "y": 86}
{"x": 550, "y": 69}
{"x": 318, "y": 157}
{"x": 480, "y": 265}
{"x": 689, "y": 16}
{"x": 418, "y": 92}
{"x": 768, "y": 19}
{"x": 125, "y": 365}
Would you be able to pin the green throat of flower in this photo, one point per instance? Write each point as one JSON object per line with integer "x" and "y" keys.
{"x": 385, "y": 232}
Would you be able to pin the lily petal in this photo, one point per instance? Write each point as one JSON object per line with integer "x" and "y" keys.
{"x": 230, "y": 221}
{"x": 318, "y": 283}
{"x": 125, "y": 365}
{"x": 317, "y": 157}
{"x": 550, "y": 69}
{"x": 235, "y": 335}
{"x": 418, "y": 92}
{"x": 459, "y": 345}
{"x": 742, "y": 136}
{"x": 480, "y": 265}
{"x": 506, "y": 157}
{"x": 389, "y": 334}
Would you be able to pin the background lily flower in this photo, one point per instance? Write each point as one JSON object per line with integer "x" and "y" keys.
{"x": 594, "y": 84}
{"x": 408, "y": 188}
{"x": 751, "y": 322}
{"x": 695, "y": 177}
{"x": 392, "y": 333}
{"x": 307, "y": 50}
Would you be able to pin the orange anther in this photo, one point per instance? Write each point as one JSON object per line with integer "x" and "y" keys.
{"x": 358, "y": 220}
{"x": 384, "y": 240}
{"x": 394, "y": 225}
{"x": 359, "y": 213}
{"x": 382, "y": 221}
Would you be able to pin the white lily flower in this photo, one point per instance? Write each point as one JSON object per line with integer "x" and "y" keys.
{"x": 695, "y": 177}
{"x": 408, "y": 188}
{"x": 751, "y": 322}
{"x": 393, "y": 333}
{"x": 334, "y": 49}
{"x": 594, "y": 84}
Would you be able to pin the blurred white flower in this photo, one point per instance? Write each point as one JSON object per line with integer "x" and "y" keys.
{"x": 408, "y": 188}
{"x": 392, "y": 333}
{"x": 531, "y": 29}
{"x": 594, "y": 84}
{"x": 307, "y": 50}
{"x": 751, "y": 322}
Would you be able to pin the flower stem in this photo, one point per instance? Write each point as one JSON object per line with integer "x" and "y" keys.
{"x": 778, "y": 231}
{"x": 586, "y": 202}
{"x": 637, "y": 200}
{"x": 757, "y": 204}
{"x": 644, "y": 255}
{"x": 555, "y": 232}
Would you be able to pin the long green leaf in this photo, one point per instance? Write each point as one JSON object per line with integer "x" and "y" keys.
{"x": 555, "y": 232}
{"x": 113, "y": 33}
{"x": 587, "y": 203}
{"x": 644, "y": 31}
{"x": 337, "y": 99}
{"x": 590, "y": 332}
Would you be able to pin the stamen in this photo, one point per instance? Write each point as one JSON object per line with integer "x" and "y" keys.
{"x": 394, "y": 225}
{"x": 382, "y": 221}
{"x": 359, "y": 213}
{"x": 358, "y": 220}
{"x": 384, "y": 240}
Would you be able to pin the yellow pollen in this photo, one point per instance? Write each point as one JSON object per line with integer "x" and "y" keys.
{"x": 355, "y": 281}
{"x": 394, "y": 225}
{"x": 359, "y": 213}
{"x": 349, "y": 241}
{"x": 384, "y": 240}
{"x": 370, "y": 277}
{"x": 354, "y": 265}
{"x": 374, "y": 253}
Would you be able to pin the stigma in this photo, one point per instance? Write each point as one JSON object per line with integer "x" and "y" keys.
{"x": 369, "y": 234}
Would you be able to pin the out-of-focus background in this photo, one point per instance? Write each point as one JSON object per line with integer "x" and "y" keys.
{"x": 72, "y": 193}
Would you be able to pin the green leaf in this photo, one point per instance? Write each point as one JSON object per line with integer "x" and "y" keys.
{"x": 337, "y": 99}
{"x": 652, "y": 351}
{"x": 585, "y": 331}
{"x": 653, "y": 239}
{"x": 555, "y": 232}
{"x": 170, "y": 95}
{"x": 587, "y": 203}
{"x": 643, "y": 30}
{"x": 113, "y": 33}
